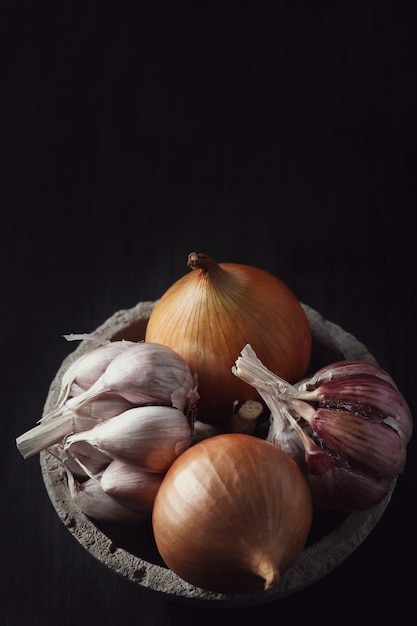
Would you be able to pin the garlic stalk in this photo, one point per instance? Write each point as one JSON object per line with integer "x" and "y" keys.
{"x": 53, "y": 431}
{"x": 352, "y": 422}
{"x": 43, "y": 436}
{"x": 284, "y": 430}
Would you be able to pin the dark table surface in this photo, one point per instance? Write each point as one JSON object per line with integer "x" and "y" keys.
{"x": 280, "y": 135}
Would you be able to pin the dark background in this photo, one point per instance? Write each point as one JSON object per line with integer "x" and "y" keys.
{"x": 277, "y": 134}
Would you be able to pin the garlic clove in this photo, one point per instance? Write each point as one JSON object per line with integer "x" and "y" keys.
{"x": 89, "y": 367}
{"x": 150, "y": 437}
{"x": 95, "y": 503}
{"x": 367, "y": 395}
{"x": 336, "y": 485}
{"x": 370, "y": 446}
{"x": 147, "y": 373}
{"x": 355, "y": 491}
{"x": 132, "y": 487}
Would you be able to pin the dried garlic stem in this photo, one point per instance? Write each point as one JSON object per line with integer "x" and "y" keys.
{"x": 250, "y": 369}
{"x": 269, "y": 386}
{"x": 277, "y": 394}
{"x": 245, "y": 418}
{"x": 45, "y": 435}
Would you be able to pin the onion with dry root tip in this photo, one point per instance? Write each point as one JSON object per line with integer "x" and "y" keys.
{"x": 232, "y": 514}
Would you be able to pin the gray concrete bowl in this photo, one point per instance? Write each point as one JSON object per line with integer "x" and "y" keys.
{"x": 132, "y": 553}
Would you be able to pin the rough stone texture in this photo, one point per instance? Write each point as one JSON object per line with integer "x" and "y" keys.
{"x": 132, "y": 553}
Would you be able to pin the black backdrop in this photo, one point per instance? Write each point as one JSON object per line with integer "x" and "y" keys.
{"x": 278, "y": 134}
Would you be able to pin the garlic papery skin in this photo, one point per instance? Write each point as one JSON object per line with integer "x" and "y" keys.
{"x": 208, "y": 314}
{"x": 150, "y": 437}
{"x": 281, "y": 431}
{"x": 82, "y": 458}
{"x": 104, "y": 407}
{"x": 352, "y": 421}
{"x": 343, "y": 369}
{"x": 130, "y": 486}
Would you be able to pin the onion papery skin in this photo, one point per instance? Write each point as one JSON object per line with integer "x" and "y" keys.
{"x": 209, "y": 314}
{"x": 232, "y": 514}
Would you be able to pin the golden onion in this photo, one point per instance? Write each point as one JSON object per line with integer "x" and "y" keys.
{"x": 232, "y": 514}
{"x": 211, "y": 313}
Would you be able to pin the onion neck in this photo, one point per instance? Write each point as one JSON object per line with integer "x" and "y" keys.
{"x": 224, "y": 283}
{"x": 200, "y": 261}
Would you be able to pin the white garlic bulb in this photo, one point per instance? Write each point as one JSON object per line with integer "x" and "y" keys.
{"x": 125, "y": 412}
{"x": 139, "y": 374}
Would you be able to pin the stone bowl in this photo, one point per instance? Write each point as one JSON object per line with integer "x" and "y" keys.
{"x": 132, "y": 554}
